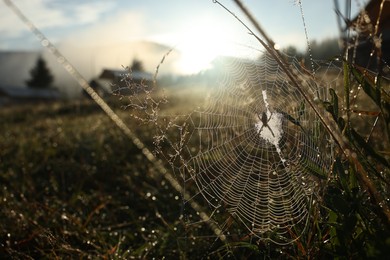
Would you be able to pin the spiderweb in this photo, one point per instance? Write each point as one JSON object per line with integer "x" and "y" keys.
{"x": 251, "y": 147}
{"x": 255, "y": 149}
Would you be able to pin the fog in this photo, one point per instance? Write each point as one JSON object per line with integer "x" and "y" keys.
{"x": 89, "y": 60}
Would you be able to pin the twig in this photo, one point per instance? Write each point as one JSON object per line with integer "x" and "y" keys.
{"x": 326, "y": 121}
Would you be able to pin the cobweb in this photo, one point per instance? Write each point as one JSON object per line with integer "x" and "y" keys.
{"x": 256, "y": 149}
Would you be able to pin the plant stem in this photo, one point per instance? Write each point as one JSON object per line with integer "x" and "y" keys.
{"x": 328, "y": 123}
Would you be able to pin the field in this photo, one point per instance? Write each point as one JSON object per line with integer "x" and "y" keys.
{"x": 74, "y": 186}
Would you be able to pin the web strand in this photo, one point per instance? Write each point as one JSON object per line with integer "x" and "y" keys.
{"x": 253, "y": 147}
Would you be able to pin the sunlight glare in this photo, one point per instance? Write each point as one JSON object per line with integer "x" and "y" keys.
{"x": 200, "y": 45}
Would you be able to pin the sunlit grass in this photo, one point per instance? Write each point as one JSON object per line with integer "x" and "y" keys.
{"x": 74, "y": 186}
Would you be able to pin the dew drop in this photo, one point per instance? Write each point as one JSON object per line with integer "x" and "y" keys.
{"x": 45, "y": 43}
{"x": 61, "y": 60}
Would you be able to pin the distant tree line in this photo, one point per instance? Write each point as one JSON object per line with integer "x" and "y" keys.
{"x": 324, "y": 50}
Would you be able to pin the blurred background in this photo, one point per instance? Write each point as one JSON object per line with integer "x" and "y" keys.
{"x": 99, "y": 35}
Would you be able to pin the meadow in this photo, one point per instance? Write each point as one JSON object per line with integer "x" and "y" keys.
{"x": 74, "y": 186}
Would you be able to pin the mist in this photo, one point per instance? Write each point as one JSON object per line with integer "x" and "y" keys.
{"x": 88, "y": 60}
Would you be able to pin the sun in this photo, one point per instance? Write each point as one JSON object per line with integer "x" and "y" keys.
{"x": 200, "y": 45}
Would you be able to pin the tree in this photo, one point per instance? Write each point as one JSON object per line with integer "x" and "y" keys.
{"x": 326, "y": 49}
{"x": 137, "y": 65}
{"x": 41, "y": 76}
{"x": 293, "y": 53}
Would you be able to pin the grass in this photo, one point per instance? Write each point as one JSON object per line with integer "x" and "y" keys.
{"x": 73, "y": 186}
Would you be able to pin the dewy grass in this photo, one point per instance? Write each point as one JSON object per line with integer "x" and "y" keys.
{"x": 72, "y": 186}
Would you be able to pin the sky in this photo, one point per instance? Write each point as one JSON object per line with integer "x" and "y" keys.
{"x": 199, "y": 29}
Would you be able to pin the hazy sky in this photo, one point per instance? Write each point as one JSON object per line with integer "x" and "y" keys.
{"x": 196, "y": 27}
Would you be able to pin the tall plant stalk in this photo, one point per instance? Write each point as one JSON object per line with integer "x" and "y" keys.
{"x": 326, "y": 120}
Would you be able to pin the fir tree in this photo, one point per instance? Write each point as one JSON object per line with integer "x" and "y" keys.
{"x": 41, "y": 76}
